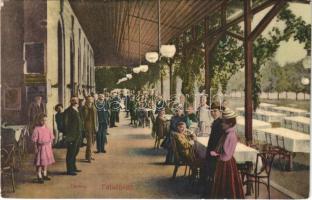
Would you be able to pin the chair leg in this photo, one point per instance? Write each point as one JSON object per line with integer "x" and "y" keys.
{"x": 155, "y": 145}
{"x": 269, "y": 188}
{"x": 175, "y": 171}
{"x": 256, "y": 188}
{"x": 12, "y": 179}
{"x": 158, "y": 143}
{"x": 185, "y": 170}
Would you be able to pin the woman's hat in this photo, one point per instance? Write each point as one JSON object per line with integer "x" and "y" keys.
{"x": 229, "y": 114}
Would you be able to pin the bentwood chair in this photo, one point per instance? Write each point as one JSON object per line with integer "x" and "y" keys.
{"x": 178, "y": 161}
{"x": 262, "y": 175}
{"x": 284, "y": 155}
{"x": 7, "y": 164}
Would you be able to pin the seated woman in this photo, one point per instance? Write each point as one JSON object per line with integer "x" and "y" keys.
{"x": 184, "y": 143}
{"x": 178, "y": 117}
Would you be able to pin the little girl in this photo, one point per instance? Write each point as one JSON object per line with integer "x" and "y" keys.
{"x": 42, "y": 138}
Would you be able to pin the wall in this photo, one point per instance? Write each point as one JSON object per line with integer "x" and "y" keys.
{"x": 71, "y": 33}
{"x": 12, "y": 18}
{"x": 32, "y": 21}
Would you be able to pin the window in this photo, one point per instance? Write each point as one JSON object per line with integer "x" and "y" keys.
{"x": 34, "y": 58}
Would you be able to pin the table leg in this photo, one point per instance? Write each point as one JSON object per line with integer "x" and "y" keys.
{"x": 249, "y": 182}
{"x": 290, "y": 162}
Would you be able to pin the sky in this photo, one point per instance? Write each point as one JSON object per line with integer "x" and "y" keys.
{"x": 290, "y": 51}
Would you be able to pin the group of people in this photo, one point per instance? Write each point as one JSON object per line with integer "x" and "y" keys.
{"x": 219, "y": 172}
{"x": 85, "y": 119}
{"x": 90, "y": 120}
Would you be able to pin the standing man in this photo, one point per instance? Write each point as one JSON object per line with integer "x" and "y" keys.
{"x": 90, "y": 121}
{"x": 127, "y": 104}
{"x": 102, "y": 107}
{"x": 73, "y": 127}
{"x": 115, "y": 107}
{"x": 214, "y": 139}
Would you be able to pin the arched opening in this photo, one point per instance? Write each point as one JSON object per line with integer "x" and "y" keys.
{"x": 61, "y": 61}
{"x": 72, "y": 67}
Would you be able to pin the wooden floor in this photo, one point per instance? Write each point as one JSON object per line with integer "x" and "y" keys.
{"x": 131, "y": 168}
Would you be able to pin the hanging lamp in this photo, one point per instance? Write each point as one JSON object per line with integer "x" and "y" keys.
{"x": 143, "y": 68}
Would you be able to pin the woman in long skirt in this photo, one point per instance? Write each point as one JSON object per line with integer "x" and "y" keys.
{"x": 227, "y": 183}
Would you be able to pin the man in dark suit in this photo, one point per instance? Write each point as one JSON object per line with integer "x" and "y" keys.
{"x": 73, "y": 127}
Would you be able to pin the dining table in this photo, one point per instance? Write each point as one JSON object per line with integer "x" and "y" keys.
{"x": 290, "y": 140}
{"x": 297, "y": 123}
{"x": 289, "y": 111}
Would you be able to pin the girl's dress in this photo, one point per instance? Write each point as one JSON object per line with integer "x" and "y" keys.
{"x": 43, "y": 137}
{"x": 227, "y": 184}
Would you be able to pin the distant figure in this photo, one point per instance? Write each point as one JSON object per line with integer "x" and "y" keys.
{"x": 35, "y": 108}
{"x": 160, "y": 127}
{"x": 102, "y": 108}
{"x": 59, "y": 119}
{"x": 204, "y": 117}
{"x": 160, "y": 104}
{"x": 73, "y": 127}
{"x": 42, "y": 138}
{"x": 115, "y": 107}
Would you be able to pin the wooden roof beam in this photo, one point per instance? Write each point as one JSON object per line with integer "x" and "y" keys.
{"x": 237, "y": 20}
{"x": 156, "y": 22}
{"x": 267, "y": 19}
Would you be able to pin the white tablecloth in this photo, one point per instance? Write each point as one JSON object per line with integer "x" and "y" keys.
{"x": 168, "y": 117}
{"x": 18, "y": 130}
{"x": 266, "y": 106}
{"x": 268, "y": 116}
{"x": 242, "y": 153}
{"x": 298, "y": 123}
{"x": 256, "y": 124}
{"x": 289, "y": 111}
{"x": 294, "y": 141}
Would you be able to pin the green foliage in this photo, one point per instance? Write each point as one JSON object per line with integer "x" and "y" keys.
{"x": 227, "y": 59}
{"x": 108, "y": 77}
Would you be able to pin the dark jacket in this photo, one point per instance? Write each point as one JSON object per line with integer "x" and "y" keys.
{"x": 59, "y": 119}
{"x": 73, "y": 125}
{"x": 215, "y": 135}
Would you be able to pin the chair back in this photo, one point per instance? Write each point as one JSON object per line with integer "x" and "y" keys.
{"x": 7, "y": 154}
{"x": 267, "y": 159}
{"x": 175, "y": 149}
{"x": 280, "y": 142}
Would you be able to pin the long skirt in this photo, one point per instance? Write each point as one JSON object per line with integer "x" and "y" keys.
{"x": 227, "y": 184}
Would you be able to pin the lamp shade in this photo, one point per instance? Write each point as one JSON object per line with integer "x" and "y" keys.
{"x": 129, "y": 76}
{"x": 168, "y": 50}
{"x": 151, "y": 57}
{"x": 307, "y": 62}
{"x": 305, "y": 81}
{"x": 143, "y": 68}
{"x": 136, "y": 70}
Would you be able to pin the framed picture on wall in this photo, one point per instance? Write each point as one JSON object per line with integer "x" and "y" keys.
{"x": 12, "y": 99}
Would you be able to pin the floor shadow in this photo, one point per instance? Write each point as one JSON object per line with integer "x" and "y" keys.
{"x": 58, "y": 173}
{"x": 147, "y": 152}
{"x": 180, "y": 187}
{"x": 139, "y": 136}
{"x": 278, "y": 165}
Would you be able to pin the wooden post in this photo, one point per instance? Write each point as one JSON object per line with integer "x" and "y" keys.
{"x": 170, "y": 78}
{"x": 207, "y": 60}
{"x": 248, "y": 70}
